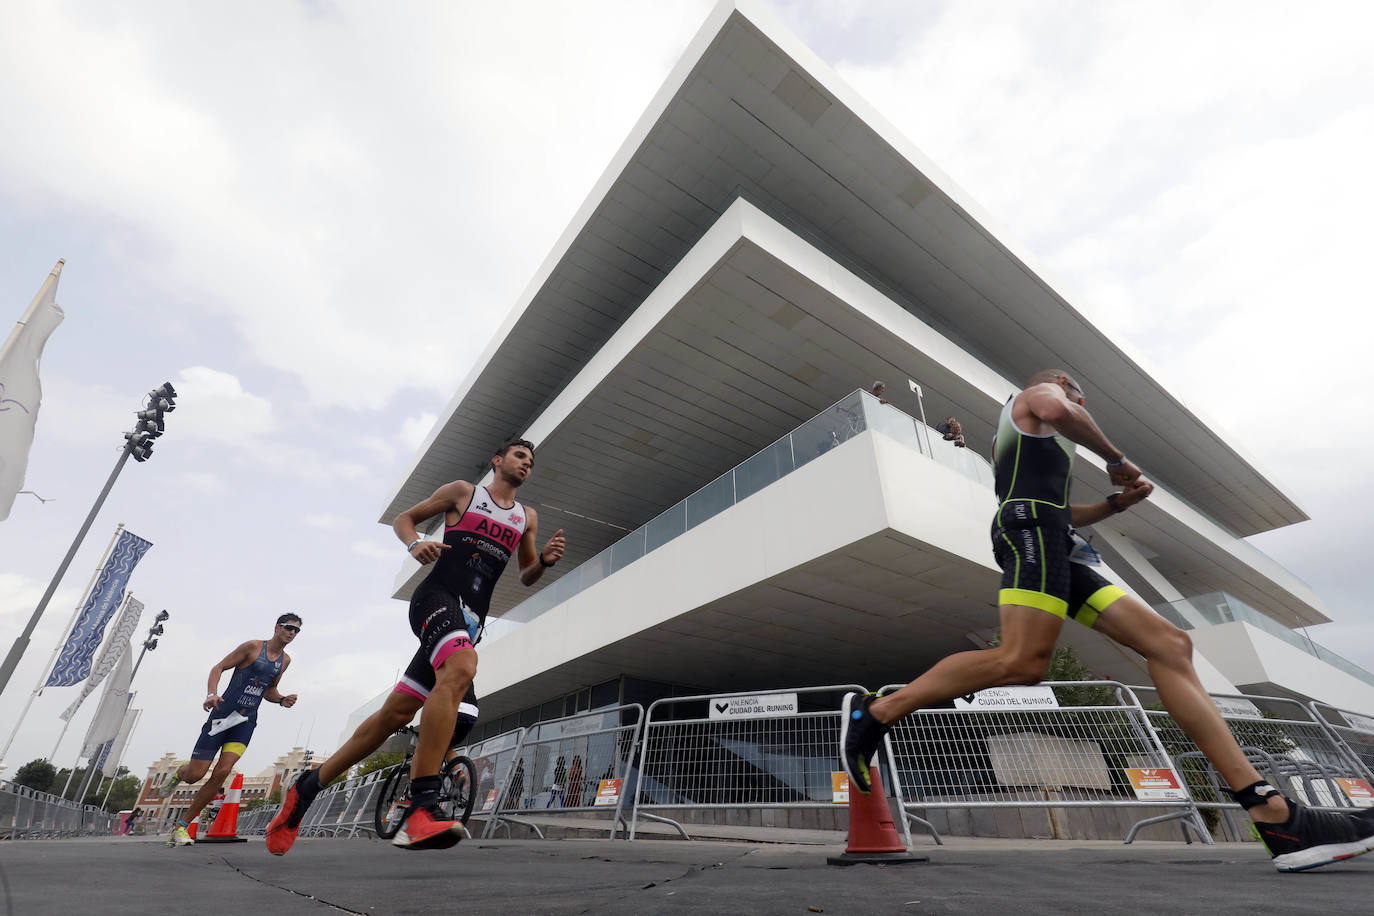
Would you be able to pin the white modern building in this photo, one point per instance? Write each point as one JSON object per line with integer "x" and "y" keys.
{"x": 738, "y": 516}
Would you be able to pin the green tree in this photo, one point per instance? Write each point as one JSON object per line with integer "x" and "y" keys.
{"x": 67, "y": 783}
{"x": 123, "y": 794}
{"x": 380, "y": 761}
{"x": 37, "y": 775}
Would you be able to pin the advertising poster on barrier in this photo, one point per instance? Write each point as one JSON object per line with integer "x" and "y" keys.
{"x": 608, "y": 793}
{"x": 1363, "y": 723}
{"x": 1155, "y": 783}
{"x": 999, "y": 698}
{"x": 1359, "y": 791}
{"x": 489, "y": 802}
{"x": 1237, "y": 706}
{"x": 839, "y": 788}
{"x": 754, "y": 706}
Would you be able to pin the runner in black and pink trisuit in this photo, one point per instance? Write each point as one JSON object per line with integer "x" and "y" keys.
{"x": 483, "y": 527}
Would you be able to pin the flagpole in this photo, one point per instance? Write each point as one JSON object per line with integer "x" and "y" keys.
{"x": 22, "y": 642}
{"x": 103, "y": 749}
{"x": 138, "y": 714}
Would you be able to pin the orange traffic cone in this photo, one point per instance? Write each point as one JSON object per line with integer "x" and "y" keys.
{"x": 192, "y": 827}
{"x": 226, "y": 825}
{"x": 873, "y": 838}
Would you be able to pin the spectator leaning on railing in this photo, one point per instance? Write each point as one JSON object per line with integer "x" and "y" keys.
{"x": 952, "y": 431}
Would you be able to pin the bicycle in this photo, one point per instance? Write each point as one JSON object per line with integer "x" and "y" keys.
{"x": 457, "y": 791}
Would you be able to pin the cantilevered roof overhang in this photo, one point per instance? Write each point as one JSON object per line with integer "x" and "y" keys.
{"x": 751, "y": 112}
{"x": 752, "y": 334}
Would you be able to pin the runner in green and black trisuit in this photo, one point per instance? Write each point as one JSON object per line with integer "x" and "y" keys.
{"x": 1032, "y": 540}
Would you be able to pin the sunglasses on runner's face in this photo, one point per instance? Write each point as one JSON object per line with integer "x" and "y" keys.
{"x": 1080, "y": 400}
{"x": 289, "y": 627}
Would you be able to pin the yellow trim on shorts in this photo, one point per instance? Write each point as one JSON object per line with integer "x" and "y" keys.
{"x": 234, "y": 747}
{"x": 1098, "y": 602}
{"x": 1027, "y": 598}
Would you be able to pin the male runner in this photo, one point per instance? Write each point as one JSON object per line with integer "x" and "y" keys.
{"x": 483, "y": 526}
{"x": 258, "y": 667}
{"x": 1033, "y": 455}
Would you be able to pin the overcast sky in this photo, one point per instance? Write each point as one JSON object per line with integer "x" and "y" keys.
{"x": 311, "y": 217}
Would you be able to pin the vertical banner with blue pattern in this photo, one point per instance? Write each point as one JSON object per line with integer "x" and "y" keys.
{"x": 74, "y": 661}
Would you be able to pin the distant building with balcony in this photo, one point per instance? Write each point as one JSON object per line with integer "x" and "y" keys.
{"x": 739, "y": 516}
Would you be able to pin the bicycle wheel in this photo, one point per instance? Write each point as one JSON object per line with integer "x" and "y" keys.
{"x": 458, "y": 788}
{"x": 392, "y": 801}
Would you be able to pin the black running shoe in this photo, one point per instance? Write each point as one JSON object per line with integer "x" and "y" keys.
{"x": 860, "y": 736}
{"x": 1311, "y": 838}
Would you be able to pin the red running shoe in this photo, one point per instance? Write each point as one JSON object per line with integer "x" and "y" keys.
{"x": 425, "y": 828}
{"x": 281, "y": 833}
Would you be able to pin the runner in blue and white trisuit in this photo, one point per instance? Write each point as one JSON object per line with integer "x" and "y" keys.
{"x": 483, "y": 527}
{"x": 258, "y": 666}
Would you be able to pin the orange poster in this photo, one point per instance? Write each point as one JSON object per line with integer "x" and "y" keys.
{"x": 607, "y": 793}
{"x": 1359, "y": 791}
{"x": 490, "y": 801}
{"x": 839, "y": 788}
{"x": 1155, "y": 783}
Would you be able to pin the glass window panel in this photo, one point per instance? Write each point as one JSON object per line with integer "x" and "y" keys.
{"x": 607, "y": 694}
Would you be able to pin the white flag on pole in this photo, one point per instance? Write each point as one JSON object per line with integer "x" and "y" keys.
{"x": 117, "y": 749}
{"x": 20, "y": 390}
{"x": 113, "y": 703}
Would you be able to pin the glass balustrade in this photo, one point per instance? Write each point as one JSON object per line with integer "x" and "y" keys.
{"x": 1216, "y": 608}
{"x": 855, "y": 413}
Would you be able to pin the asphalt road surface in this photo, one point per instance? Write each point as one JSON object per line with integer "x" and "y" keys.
{"x": 327, "y": 876}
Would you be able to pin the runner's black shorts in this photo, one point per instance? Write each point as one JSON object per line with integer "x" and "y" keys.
{"x": 437, "y": 618}
{"x": 1037, "y": 572}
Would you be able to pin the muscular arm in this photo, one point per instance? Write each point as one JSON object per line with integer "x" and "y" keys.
{"x": 445, "y": 499}
{"x": 272, "y": 694}
{"x": 1045, "y": 405}
{"x": 1085, "y": 514}
{"x": 530, "y": 567}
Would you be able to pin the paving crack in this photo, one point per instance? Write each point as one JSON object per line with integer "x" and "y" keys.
{"x": 320, "y": 901}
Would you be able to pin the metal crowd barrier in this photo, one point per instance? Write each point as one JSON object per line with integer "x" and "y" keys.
{"x": 1101, "y": 748}
{"x": 1353, "y": 730}
{"x": 580, "y": 764}
{"x": 254, "y": 823}
{"x": 494, "y": 760}
{"x": 345, "y": 808}
{"x": 27, "y": 814}
{"x": 709, "y": 752}
{"x": 1285, "y": 740}
{"x": 1078, "y": 755}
